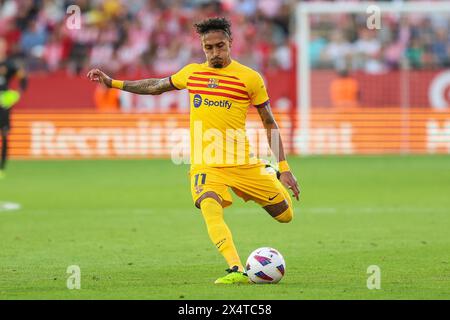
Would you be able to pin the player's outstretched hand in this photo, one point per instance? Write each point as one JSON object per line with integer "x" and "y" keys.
{"x": 99, "y": 76}
{"x": 290, "y": 182}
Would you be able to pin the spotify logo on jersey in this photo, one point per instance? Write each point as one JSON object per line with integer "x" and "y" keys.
{"x": 197, "y": 100}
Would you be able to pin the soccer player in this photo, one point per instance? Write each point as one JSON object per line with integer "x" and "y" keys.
{"x": 221, "y": 90}
{"x": 8, "y": 70}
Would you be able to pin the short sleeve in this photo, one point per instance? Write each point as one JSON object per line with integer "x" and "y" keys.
{"x": 179, "y": 79}
{"x": 258, "y": 91}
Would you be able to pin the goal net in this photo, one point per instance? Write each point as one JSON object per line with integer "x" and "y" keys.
{"x": 373, "y": 78}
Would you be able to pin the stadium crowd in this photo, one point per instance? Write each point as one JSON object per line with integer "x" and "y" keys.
{"x": 157, "y": 36}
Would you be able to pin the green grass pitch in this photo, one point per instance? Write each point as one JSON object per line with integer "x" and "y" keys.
{"x": 132, "y": 229}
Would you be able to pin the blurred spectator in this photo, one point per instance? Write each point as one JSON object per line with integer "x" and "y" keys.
{"x": 317, "y": 46}
{"x": 366, "y": 52}
{"x": 344, "y": 91}
{"x": 440, "y": 47}
{"x": 338, "y": 51}
{"x": 414, "y": 53}
{"x": 32, "y": 43}
{"x": 106, "y": 99}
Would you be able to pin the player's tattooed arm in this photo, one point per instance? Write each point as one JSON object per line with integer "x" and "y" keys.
{"x": 272, "y": 130}
{"x": 144, "y": 86}
{"x": 273, "y": 136}
{"x": 149, "y": 86}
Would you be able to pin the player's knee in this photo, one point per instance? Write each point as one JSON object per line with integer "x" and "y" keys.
{"x": 286, "y": 216}
{"x": 282, "y": 211}
{"x": 210, "y": 196}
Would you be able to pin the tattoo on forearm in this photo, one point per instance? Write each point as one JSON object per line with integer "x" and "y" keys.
{"x": 273, "y": 134}
{"x": 266, "y": 116}
{"x": 148, "y": 86}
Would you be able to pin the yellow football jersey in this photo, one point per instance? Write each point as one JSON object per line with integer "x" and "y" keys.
{"x": 219, "y": 101}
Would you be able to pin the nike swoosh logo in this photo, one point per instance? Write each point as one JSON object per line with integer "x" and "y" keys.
{"x": 270, "y": 199}
{"x": 220, "y": 243}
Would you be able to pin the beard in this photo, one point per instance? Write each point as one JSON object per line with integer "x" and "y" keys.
{"x": 217, "y": 63}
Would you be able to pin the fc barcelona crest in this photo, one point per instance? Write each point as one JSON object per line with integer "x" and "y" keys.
{"x": 213, "y": 83}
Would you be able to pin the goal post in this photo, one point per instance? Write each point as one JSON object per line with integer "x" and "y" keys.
{"x": 303, "y": 14}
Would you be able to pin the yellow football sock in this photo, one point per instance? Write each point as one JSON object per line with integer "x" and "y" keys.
{"x": 219, "y": 232}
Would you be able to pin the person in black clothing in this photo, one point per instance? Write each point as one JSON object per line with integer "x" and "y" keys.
{"x": 8, "y": 70}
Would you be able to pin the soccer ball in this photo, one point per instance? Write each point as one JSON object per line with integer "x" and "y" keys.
{"x": 265, "y": 265}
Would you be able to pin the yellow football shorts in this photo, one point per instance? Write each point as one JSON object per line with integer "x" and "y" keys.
{"x": 249, "y": 182}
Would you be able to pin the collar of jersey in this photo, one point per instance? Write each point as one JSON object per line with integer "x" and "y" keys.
{"x": 219, "y": 69}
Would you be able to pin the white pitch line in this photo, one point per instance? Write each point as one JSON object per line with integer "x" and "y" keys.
{"x": 363, "y": 210}
{"x": 9, "y": 206}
